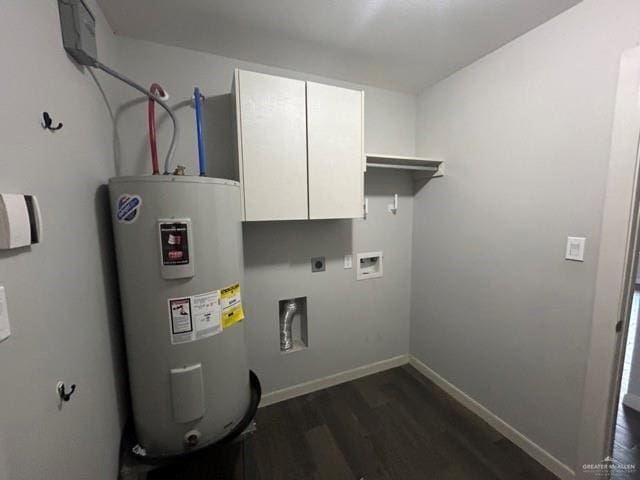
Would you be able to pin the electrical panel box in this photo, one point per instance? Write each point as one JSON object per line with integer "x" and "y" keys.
{"x": 20, "y": 221}
{"x": 78, "y": 31}
{"x": 176, "y": 248}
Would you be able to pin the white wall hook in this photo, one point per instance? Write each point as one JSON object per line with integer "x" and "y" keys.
{"x": 393, "y": 208}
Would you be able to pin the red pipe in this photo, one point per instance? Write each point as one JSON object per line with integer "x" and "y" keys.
{"x": 155, "y": 89}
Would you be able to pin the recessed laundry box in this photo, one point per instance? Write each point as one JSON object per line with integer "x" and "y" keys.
{"x": 179, "y": 252}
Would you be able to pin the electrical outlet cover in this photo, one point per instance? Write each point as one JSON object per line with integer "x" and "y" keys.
{"x": 318, "y": 264}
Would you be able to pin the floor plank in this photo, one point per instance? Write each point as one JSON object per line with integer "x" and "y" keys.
{"x": 328, "y": 459}
{"x": 350, "y": 435}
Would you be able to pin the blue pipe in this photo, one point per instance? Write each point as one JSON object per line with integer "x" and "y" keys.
{"x": 201, "y": 154}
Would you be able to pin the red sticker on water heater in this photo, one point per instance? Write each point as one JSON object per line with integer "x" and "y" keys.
{"x": 175, "y": 255}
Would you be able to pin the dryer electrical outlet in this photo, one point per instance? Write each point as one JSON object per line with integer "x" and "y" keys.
{"x": 368, "y": 265}
{"x": 318, "y": 264}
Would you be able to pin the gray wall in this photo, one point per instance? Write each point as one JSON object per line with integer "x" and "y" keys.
{"x": 61, "y": 294}
{"x": 351, "y": 323}
{"x": 525, "y": 131}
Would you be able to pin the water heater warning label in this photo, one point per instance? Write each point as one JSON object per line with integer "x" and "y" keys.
{"x": 231, "y": 303}
{"x": 195, "y": 317}
{"x": 180, "y": 316}
{"x": 174, "y": 239}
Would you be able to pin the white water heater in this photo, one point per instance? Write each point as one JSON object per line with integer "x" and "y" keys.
{"x": 179, "y": 252}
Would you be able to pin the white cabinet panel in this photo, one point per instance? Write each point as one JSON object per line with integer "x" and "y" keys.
{"x": 272, "y": 146}
{"x": 335, "y": 151}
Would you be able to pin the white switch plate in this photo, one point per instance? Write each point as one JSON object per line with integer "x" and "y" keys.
{"x": 348, "y": 261}
{"x": 575, "y": 249}
{"x": 5, "y": 329}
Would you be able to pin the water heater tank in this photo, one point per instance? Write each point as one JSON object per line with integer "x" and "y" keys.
{"x": 179, "y": 252}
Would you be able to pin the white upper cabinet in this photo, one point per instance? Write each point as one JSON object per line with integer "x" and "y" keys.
{"x": 272, "y": 134}
{"x": 300, "y": 148}
{"x": 335, "y": 151}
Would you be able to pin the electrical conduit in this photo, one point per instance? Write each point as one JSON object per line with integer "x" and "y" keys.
{"x": 174, "y": 139}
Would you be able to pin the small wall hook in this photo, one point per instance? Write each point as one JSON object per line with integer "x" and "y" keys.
{"x": 47, "y": 122}
{"x": 62, "y": 393}
{"x": 393, "y": 208}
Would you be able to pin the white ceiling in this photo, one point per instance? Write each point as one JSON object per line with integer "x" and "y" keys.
{"x": 404, "y": 45}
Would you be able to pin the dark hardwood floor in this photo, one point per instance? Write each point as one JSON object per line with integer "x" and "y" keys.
{"x": 626, "y": 445}
{"x": 395, "y": 425}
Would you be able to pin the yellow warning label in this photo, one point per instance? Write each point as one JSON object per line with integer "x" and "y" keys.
{"x": 231, "y": 303}
{"x": 230, "y": 291}
{"x": 232, "y": 315}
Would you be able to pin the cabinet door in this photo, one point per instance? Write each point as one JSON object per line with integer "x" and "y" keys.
{"x": 335, "y": 150}
{"x": 273, "y": 147}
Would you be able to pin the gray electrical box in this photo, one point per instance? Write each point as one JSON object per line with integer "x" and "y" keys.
{"x": 78, "y": 31}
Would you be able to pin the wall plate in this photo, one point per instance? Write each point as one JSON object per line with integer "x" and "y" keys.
{"x": 368, "y": 265}
{"x": 318, "y": 264}
{"x": 575, "y": 249}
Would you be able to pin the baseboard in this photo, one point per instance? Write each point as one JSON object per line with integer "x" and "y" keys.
{"x": 632, "y": 401}
{"x": 530, "y": 447}
{"x": 335, "y": 379}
